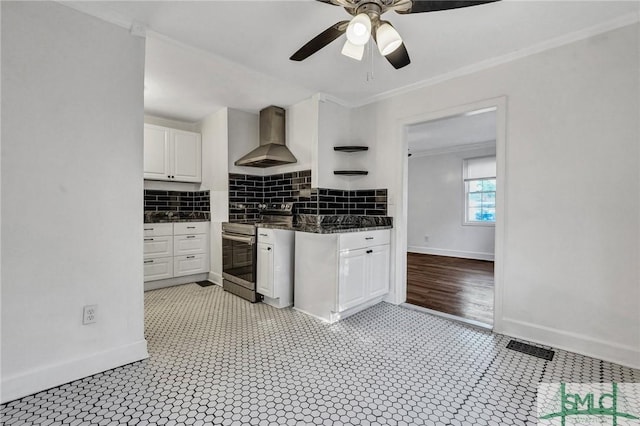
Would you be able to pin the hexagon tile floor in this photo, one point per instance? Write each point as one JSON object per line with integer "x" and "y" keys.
{"x": 216, "y": 359}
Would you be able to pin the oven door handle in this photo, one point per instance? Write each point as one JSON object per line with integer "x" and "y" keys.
{"x": 242, "y": 239}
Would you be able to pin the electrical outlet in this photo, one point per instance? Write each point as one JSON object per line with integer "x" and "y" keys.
{"x": 89, "y": 314}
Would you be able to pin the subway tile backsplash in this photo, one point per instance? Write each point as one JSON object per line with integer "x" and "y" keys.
{"x": 247, "y": 191}
{"x": 176, "y": 201}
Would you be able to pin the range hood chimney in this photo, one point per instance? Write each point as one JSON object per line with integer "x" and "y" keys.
{"x": 272, "y": 150}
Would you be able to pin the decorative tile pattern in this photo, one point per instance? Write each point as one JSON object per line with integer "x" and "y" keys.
{"x": 156, "y": 200}
{"x": 247, "y": 191}
{"x": 362, "y": 202}
{"x": 219, "y": 360}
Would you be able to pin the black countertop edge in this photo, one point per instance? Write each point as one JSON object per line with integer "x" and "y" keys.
{"x": 170, "y": 217}
{"x": 176, "y": 220}
{"x": 327, "y": 229}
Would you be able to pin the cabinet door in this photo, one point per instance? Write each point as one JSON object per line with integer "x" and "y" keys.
{"x": 352, "y": 284}
{"x": 187, "y": 156}
{"x": 158, "y": 269}
{"x": 156, "y": 153}
{"x": 378, "y": 258}
{"x": 189, "y": 265}
{"x": 189, "y": 244}
{"x": 158, "y": 247}
{"x": 264, "y": 283}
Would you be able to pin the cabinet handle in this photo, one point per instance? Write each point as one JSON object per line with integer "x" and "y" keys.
{"x": 148, "y": 239}
{"x": 368, "y": 238}
{"x": 191, "y": 236}
{"x": 191, "y": 257}
{"x": 369, "y": 251}
{"x": 148, "y": 229}
{"x": 148, "y": 261}
{"x": 191, "y": 227}
{"x": 269, "y": 248}
{"x": 264, "y": 235}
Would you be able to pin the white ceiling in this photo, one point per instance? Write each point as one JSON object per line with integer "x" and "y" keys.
{"x": 206, "y": 54}
{"x": 454, "y": 131}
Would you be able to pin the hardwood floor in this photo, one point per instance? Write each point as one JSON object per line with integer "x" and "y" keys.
{"x": 461, "y": 287}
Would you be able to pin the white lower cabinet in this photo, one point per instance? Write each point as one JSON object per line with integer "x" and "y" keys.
{"x": 337, "y": 275}
{"x": 175, "y": 250}
{"x": 265, "y": 269}
{"x": 161, "y": 246}
{"x": 353, "y": 270}
{"x": 274, "y": 271}
{"x": 158, "y": 269}
{"x": 378, "y": 268}
{"x": 190, "y": 265}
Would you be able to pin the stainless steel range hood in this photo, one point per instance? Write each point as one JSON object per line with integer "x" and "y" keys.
{"x": 272, "y": 150}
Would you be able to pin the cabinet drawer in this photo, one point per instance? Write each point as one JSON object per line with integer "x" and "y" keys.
{"x": 189, "y": 265}
{"x": 158, "y": 269}
{"x": 156, "y": 229}
{"x": 356, "y": 240}
{"x": 266, "y": 235}
{"x": 189, "y": 244}
{"x": 188, "y": 228}
{"x": 158, "y": 247}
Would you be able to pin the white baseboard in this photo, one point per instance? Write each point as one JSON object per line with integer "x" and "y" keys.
{"x": 170, "y": 282}
{"x": 215, "y": 278}
{"x": 451, "y": 253}
{"x": 573, "y": 342}
{"x": 18, "y": 386}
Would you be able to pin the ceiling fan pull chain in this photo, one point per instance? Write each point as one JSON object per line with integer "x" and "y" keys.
{"x": 370, "y": 72}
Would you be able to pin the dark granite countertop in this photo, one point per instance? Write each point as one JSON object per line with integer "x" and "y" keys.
{"x": 334, "y": 224}
{"x": 169, "y": 217}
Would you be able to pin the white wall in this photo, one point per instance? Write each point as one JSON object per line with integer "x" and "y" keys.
{"x": 72, "y": 122}
{"x": 334, "y": 129}
{"x": 435, "y": 213}
{"x": 244, "y": 137}
{"x": 569, "y": 276}
{"x": 215, "y": 177}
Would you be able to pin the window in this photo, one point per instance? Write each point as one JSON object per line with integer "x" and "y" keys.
{"x": 480, "y": 190}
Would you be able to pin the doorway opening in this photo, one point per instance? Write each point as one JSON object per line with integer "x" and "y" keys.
{"x": 451, "y": 214}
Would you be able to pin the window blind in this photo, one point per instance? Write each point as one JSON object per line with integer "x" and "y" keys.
{"x": 480, "y": 168}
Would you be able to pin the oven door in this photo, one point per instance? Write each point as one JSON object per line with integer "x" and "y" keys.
{"x": 239, "y": 259}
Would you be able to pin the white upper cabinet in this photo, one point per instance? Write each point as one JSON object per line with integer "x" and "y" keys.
{"x": 156, "y": 152}
{"x": 172, "y": 155}
{"x": 187, "y": 156}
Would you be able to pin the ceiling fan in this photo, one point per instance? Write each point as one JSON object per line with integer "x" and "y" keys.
{"x": 367, "y": 23}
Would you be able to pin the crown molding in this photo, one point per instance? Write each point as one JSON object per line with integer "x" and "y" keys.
{"x": 452, "y": 149}
{"x": 110, "y": 16}
{"x": 604, "y": 27}
{"x": 105, "y": 14}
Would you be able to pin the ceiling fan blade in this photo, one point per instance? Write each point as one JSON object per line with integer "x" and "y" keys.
{"x": 348, "y": 4}
{"x": 399, "y": 58}
{"x": 419, "y": 6}
{"x": 320, "y": 41}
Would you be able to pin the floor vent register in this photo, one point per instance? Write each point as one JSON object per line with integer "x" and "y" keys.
{"x": 536, "y": 351}
{"x": 204, "y": 283}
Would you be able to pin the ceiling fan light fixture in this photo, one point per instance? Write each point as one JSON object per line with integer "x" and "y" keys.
{"x": 388, "y": 39}
{"x": 353, "y": 51}
{"x": 359, "y": 29}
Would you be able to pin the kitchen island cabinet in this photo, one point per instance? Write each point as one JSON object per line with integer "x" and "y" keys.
{"x": 339, "y": 274}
